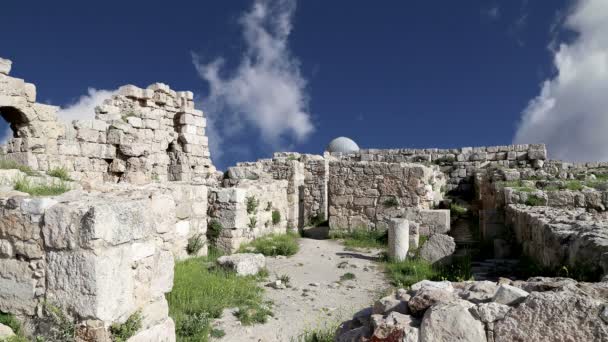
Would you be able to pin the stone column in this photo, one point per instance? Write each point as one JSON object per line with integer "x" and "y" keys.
{"x": 398, "y": 238}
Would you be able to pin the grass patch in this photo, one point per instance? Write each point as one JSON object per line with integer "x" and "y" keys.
{"x": 61, "y": 173}
{"x": 457, "y": 210}
{"x": 327, "y": 334}
{"x": 8, "y": 164}
{"x": 126, "y": 330}
{"x": 273, "y": 245}
{"x": 535, "y": 201}
{"x": 410, "y": 271}
{"x": 200, "y": 294}
{"x": 214, "y": 229}
{"x": 252, "y": 204}
{"x": 195, "y": 244}
{"x": 11, "y": 321}
{"x": 362, "y": 238}
{"x": 54, "y": 189}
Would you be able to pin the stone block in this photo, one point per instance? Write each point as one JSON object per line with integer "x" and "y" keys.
{"x": 18, "y": 292}
{"x": 5, "y": 66}
{"x": 437, "y": 221}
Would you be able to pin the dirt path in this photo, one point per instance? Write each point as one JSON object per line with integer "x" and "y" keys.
{"x": 317, "y": 297}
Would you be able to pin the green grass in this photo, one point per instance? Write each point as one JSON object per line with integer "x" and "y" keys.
{"x": 457, "y": 210}
{"x": 11, "y": 322}
{"x": 276, "y": 217}
{"x": 122, "y": 332}
{"x": 214, "y": 230}
{"x": 361, "y": 238}
{"x": 535, "y": 201}
{"x": 574, "y": 185}
{"x": 8, "y": 164}
{"x": 252, "y": 204}
{"x": 410, "y": 271}
{"x": 54, "y": 189}
{"x": 327, "y": 334}
{"x": 274, "y": 244}
{"x": 61, "y": 173}
{"x": 195, "y": 244}
{"x": 200, "y": 294}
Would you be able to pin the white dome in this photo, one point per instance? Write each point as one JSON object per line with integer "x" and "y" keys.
{"x": 342, "y": 145}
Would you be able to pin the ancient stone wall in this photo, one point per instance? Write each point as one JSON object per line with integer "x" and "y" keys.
{"x": 460, "y": 164}
{"x": 100, "y": 255}
{"x": 137, "y": 136}
{"x": 245, "y": 211}
{"x": 366, "y": 194}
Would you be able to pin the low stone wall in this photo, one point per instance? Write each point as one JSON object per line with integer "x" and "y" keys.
{"x": 556, "y": 237}
{"x": 99, "y": 255}
{"x": 240, "y": 224}
{"x": 136, "y": 136}
{"x": 367, "y": 194}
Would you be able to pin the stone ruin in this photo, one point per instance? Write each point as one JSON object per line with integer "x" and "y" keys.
{"x": 143, "y": 185}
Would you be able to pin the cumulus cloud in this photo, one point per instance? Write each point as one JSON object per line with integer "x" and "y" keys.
{"x": 84, "y": 107}
{"x": 266, "y": 90}
{"x": 571, "y": 113}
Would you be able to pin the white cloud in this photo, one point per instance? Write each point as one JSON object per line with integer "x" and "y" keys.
{"x": 84, "y": 107}
{"x": 492, "y": 13}
{"x": 571, "y": 113}
{"x": 266, "y": 90}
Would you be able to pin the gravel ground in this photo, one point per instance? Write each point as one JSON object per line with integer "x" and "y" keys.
{"x": 315, "y": 297}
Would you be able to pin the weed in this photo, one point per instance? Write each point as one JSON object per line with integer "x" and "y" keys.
{"x": 410, "y": 271}
{"x": 285, "y": 279}
{"x": 11, "y": 322}
{"x": 214, "y": 229}
{"x": 62, "y": 327}
{"x": 457, "y": 210}
{"x": 276, "y": 217}
{"x": 195, "y": 243}
{"x": 292, "y": 157}
{"x": 54, "y": 189}
{"x": 253, "y": 221}
{"x": 316, "y": 220}
{"x": 327, "y": 334}
{"x": 217, "y": 333}
{"x": 275, "y": 244}
{"x": 61, "y": 173}
{"x": 252, "y": 204}
{"x": 251, "y": 314}
{"x": 347, "y": 276}
{"x": 574, "y": 185}
{"x": 122, "y": 332}
{"x": 391, "y": 202}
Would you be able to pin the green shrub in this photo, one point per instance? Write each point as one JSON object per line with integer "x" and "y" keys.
{"x": 214, "y": 230}
{"x": 361, "y": 238}
{"x": 347, "y": 276}
{"x": 276, "y": 217}
{"x": 61, "y": 173}
{"x": 217, "y": 333}
{"x": 285, "y": 279}
{"x": 252, "y": 314}
{"x": 195, "y": 244}
{"x": 574, "y": 185}
{"x": 391, "y": 202}
{"x": 126, "y": 330}
{"x": 274, "y": 244}
{"x": 11, "y": 321}
{"x": 201, "y": 293}
{"x": 326, "y": 334}
{"x": 54, "y": 189}
{"x": 535, "y": 201}
{"x": 252, "y": 204}
{"x": 62, "y": 327}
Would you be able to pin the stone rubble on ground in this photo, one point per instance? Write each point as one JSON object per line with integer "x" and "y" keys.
{"x": 243, "y": 264}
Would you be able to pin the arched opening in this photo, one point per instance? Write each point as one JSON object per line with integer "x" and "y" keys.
{"x": 13, "y": 120}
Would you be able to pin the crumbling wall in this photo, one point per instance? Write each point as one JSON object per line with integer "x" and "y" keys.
{"x": 100, "y": 255}
{"x": 366, "y": 194}
{"x": 242, "y": 221}
{"x": 138, "y": 135}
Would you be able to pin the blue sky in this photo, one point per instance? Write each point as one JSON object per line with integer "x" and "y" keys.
{"x": 296, "y": 74}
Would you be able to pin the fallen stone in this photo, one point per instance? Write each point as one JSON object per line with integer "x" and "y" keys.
{"x": 509, "y": 295}
{"x": 441, "y": 285}
{"x": 490, "y": 312}
{"x": 243, "y": 264}
{"x": 438, "y": 248}
{"x": 389, "y": 304}
{"x": 427, "y": 297}
{"x": 397, "y": 327}
{"x": 5, "y": 331}
{"x": 451, "y": 321}
{"x": 5, "y": 66}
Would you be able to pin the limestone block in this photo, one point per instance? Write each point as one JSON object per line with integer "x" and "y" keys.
{"x": 437, "y": 221}
{"x": 438, "y": 248}
{"x": 451, "y": 321}
{"x": 163, "y": 332}
{"x": 5, "y": 66}
{"x": 130, "y": 91}
{"x": 5, "y": 332}
{"x": 398, "y": 238}
{"x": 509, "y": 295}
{"x": 243, "y": 264}
{"x": 133, "y": 150}
{"x": 135, "y": 121}
{"x": 97, "y": 284}
{"x": 163, "y": 212}
{"x": 17, "y": 286}
{"x": 68, "y": 148}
